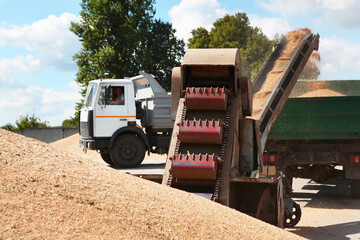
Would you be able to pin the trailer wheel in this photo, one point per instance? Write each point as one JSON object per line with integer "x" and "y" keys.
{"x": 292, "y": 219}
{"x": 106, "y": 157}
{"x": 128, "y": 151}
{"x": 355, "y": 188}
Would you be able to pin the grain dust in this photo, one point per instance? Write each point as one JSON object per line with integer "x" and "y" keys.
{"x": 293, "y": 39}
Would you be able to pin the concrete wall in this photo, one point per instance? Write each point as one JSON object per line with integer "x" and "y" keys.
{"x": 47, "y": 135}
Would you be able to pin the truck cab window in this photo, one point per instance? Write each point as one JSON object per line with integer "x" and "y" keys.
{"x": 111, "y": 95}
{"x": 117, "y": 96}
{"x": 102, "y": 96}
{"x": 90, "y": 95}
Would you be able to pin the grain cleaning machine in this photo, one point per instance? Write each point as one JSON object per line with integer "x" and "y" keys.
{"x": 217, "y": 142}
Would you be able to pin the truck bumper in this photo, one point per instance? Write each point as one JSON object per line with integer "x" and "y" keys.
{"x": 87, "y": 144}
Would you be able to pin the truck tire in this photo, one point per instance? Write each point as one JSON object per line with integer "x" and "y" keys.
{"x": 292, "y": 219}
{"x": 128, "y": 151}
{"x": 355, "y": 188}
{"x": 106, "y": 157}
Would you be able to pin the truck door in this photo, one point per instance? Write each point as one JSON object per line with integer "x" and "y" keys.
{"x": 111, "y": 110}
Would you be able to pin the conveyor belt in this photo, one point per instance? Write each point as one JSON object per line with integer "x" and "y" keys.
{"x": 216, "y": 147}
{"x": 201, "y": 140}
{"x": 277, "y": 78}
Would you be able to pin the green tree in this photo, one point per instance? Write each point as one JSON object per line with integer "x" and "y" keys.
{"x": 234, "y": 31}
{"x": 120, "y": 38}
{"x": 9, "y": 127}
{"x": 160, "y": 51}
{"x": 73, "y": 122}
{"x": 30, "y": 122}
{"x": 200, "y": 39}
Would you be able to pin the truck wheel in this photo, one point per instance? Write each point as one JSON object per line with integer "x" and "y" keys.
{"x": 106, "y": 157}
{"x": 292, "y": 219}
{"x": 128, "y": 151}
{"x": 355, "y": 188}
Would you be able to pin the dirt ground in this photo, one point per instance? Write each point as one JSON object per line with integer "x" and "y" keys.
{"x": 48, "y": 193}
{"x": 328, "y": 210}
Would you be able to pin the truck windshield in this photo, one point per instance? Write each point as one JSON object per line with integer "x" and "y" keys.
{"x": 90, "y": 95}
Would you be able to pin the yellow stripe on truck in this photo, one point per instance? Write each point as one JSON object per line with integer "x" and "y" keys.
{"x": 115, "y": 116}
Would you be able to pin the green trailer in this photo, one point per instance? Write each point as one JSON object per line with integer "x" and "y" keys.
{"x": 317, "y": 134}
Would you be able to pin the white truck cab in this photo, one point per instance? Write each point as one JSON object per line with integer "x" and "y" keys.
{"x": 124, "y": 118}
{"x": 109, "y": 114}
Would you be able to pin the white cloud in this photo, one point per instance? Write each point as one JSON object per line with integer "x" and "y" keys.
{"x": 9, "y": 68}
{"x": 190, "y": 14}
{"x": 339, "y": 57}
{"x": 270, "y": 26}
{"x": 50, "y": 38}
{"x": 50, "y": 46}
{"x": 286, "y": 7}
{"x": 50, "y": 96}
{"x": 343, "y": 14}
{"x": 46, "y": 103}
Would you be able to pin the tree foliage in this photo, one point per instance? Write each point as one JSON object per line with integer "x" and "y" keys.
{"x": 9, "y": 127}
{"x": 35, "y": 122}
{"x": 27, "y": 122}
{"x": 234, "y": 31}
{"x": 200, "y": 39}
{"x": 121, "y": 38}
{"x": 73, "y": 122}
{"x": 160, "y": 52}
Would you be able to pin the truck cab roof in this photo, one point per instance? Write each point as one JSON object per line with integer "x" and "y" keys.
{"x": 112, "y": 81}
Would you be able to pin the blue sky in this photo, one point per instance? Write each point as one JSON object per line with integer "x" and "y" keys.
{"x": 36, "y": 48}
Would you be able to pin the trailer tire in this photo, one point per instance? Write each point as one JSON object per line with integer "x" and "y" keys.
{"x": 106, "y": 157}
{"x": 355, "y": 188}
{"x": 128, "y": 151}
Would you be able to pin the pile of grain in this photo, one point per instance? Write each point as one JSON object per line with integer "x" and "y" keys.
{"x": 316, "y": 89}
{"x": 48, "y": 193}
{"x": 293, "y": 39}
{"x": 322, "y": 93}
{"x": 71, "y": 144}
